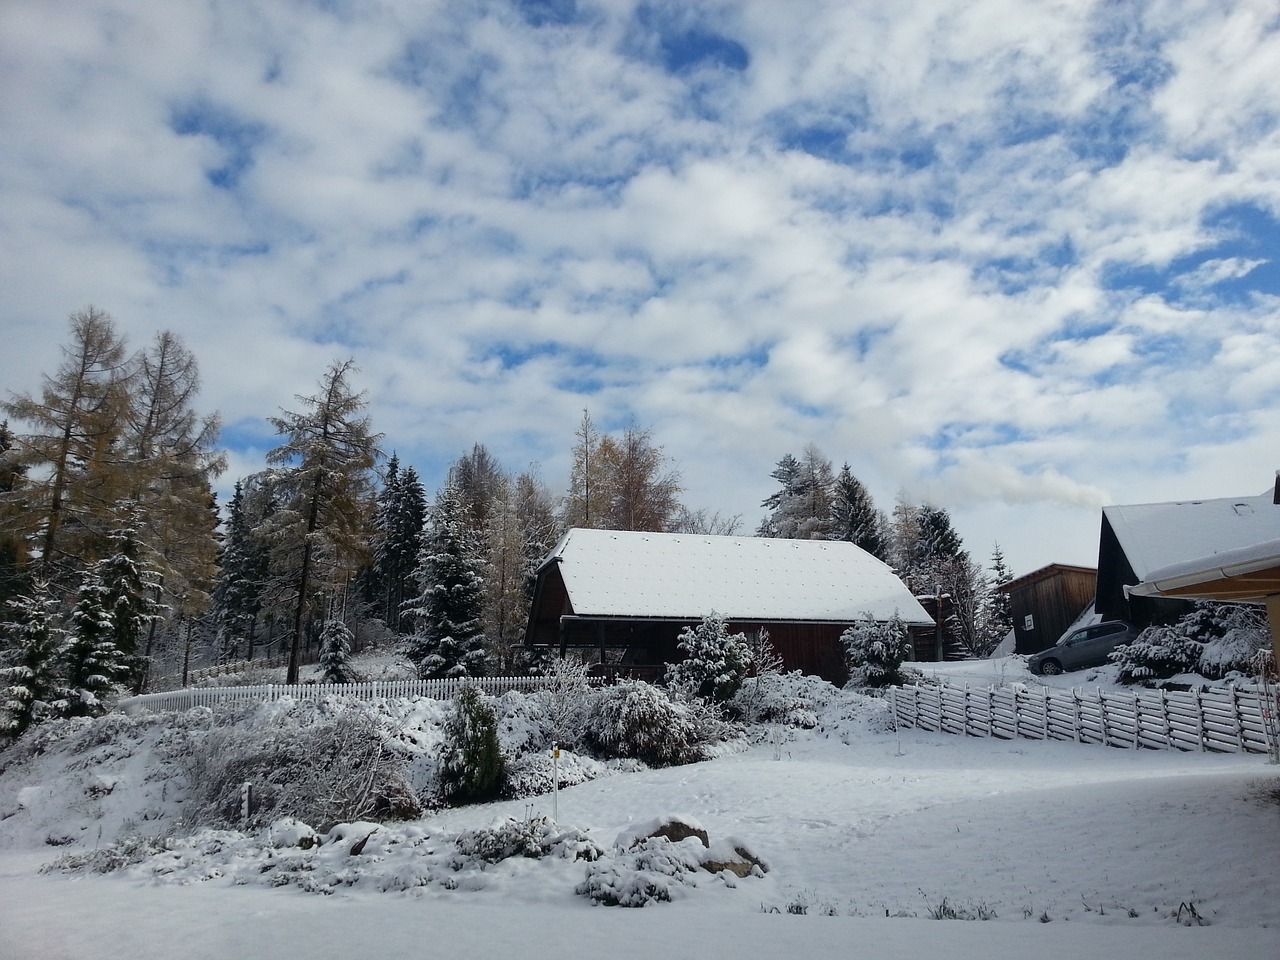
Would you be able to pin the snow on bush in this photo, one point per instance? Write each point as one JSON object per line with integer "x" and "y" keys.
{"x": 535, "y": 839}
{"x": 1158, "y": 653}
{"x": 875, "y": 651}
{"x": 654, "y": 870}
{"x": 793, "y": 699}
{"x": 322, "y": 766}
{"x": 1214, "y": 640}
{"x": 636, "y": 719}
{"x": 715, "y": 664}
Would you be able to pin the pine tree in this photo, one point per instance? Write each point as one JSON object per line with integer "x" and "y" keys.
{"x": 94, "y": 665}
{"x": 335, "y": 652}
{"x": 715, "y": 661}
{"x": 237, "y": 596}
{"x": 31, "y": 686}
{"x": 399, "y": 528}
{"x": 854, "y": 517}
{"x": 875, "y": 650}
{"x": 471, "y": 762}
{"x": 448, "y": 639}
{"x": 328, "y": 454}
{"x": 13, "y": 518}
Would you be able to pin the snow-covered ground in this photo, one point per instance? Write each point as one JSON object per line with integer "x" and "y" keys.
{"x": 1068, "y": 850}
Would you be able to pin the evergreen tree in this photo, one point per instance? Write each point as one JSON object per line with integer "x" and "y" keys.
{"x": 128, "y": 588}
{"x": 472, "y": 767}
{"x": 242, "y": 573}
{"x": 854, "y": 517}
{"x": 94, "y": 665}
{"x": 715, "y": 661}
{"x": 13, "y": 518}
{"x": 400, "y": 527}
{"x": 335, "y": 652}
{"x": 448, "y": 639}
{"x": 328, "y": 455}
{"x": 801, "y": 510}
{"x": 875, "y": 651}
{"x": 997, "y": 619}
{"x": 31, "y": 687}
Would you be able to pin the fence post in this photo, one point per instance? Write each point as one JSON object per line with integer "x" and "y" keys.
{"x": 1239, "y": 720}
{"x": 1137, "y": 721}
{"x": 1075, "y": 712}
{"x": 1164, "y": 718}
{"x": 1102, "y": 718}
{"x": 1044, "y": 722}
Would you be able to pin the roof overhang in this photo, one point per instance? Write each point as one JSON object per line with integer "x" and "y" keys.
{"x": 1245, "y": 575}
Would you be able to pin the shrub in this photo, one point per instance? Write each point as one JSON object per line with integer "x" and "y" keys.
{"x": 471, "y": 762}
{"x": 715, "y": 664}
{"x": 1159, "y": 652}
{"x": 567, "y": 700}
{"x": 875, "y": 651}
{"x": 637, "y": 719}
{"x": 331, "y": 770}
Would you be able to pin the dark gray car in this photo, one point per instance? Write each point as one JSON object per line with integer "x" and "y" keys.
{"x": 1086, "y": 647}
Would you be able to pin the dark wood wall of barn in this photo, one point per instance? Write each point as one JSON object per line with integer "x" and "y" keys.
{"x": 1053, "y": 598}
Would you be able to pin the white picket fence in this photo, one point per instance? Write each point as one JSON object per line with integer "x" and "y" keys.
{"x": 1220, "y": 719}
{"x": 370, "y": 690}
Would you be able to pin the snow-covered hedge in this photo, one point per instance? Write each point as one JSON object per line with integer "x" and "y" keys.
{"x": 636, "y": 719}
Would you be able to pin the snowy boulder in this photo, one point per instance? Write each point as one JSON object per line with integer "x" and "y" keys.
{"x": 291, "y": 832}
{"x": 734, "y": 856}
{"x": 674, "y": 827}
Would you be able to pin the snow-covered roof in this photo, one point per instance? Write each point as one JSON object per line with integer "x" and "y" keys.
{"x": 611, "y": 573}
{"x": 1159, "y": 535}
{"x": 1246, "y": 573}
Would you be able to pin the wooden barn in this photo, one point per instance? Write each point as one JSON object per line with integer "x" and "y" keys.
{"x": 621, "y": 599}
{"x": 1139, "y": 539}
{"x": 1045, "y": 602}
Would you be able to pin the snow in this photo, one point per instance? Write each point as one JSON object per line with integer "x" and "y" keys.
{"x": 1071, "y": 850}
{"x": 1224, "y": 565}
{"x": 1156, "y": 536}
{"x": 679, "y": 576}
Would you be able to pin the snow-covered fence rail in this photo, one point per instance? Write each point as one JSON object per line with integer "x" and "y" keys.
{"x": 1219, "y": 719}
{"x": 369, "y": 690}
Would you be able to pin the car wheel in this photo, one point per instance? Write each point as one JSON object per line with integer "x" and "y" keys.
{"x": 1051, "y": 668}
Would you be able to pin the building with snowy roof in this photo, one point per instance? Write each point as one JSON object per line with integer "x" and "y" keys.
{"x": 626, "y": 596}
{"x": 1139, "y": 540}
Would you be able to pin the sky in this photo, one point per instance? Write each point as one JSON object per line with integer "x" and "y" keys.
{"x": 1013, "y": 259}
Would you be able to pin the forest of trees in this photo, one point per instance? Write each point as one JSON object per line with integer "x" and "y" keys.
{"x": 115, "y": 556}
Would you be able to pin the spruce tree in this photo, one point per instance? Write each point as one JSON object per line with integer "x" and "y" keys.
{"x": 854, "y": 517}
{"x": 93, "y": 663}
{"x": 997, "y": 613}
{"x": 128, "y": 590}
{"x": 400, "y": 527}
{"x": 335, "y": 652}
{"x": 448, "y": 638}
{"x": 31, "y": 684}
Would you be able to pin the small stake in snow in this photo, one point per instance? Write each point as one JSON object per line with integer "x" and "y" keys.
{"x": 246, "y": 797}
{"x": 555, "y": 781}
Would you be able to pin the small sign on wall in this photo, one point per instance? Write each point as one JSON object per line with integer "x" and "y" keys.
{"x": 1028, "y": 622}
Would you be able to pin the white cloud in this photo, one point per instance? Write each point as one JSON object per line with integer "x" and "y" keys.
{"x": 505, "y": 223}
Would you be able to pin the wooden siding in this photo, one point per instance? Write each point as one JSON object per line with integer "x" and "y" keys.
{"x": 1053, "y": 598}
{"x": 1115, "y": 572}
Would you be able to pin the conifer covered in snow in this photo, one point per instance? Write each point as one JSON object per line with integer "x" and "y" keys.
{"x": 93, "y": 663}
{"x": 400, "y": 525}
{"x": 875, "y": 651}
{"x": 715, "y": 664}
{"x": 854, "y": 517}
{"x": 335, "y": 652}
{"x": 31, "y": 686}
{"x": 471, "y": 762}
{"x": 448, "y": 638}
{"x": 128, "y": 590}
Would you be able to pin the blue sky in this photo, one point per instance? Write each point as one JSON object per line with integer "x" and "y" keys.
{"x": 1017, "y": 259}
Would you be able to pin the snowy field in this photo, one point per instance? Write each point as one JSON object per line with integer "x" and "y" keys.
{"x": 1024, "y": 848}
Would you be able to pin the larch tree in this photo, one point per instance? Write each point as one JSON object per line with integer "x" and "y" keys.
{"x": 73, "y": 476}
{"x": 328, "y": 456}
{"x": 801, "y": 510}
{"x": 644, "y": 488}
{"x": 587, "y": 504}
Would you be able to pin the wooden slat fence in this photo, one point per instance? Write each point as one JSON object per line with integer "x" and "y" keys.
{"x": 369, "y": 690}
{"x": 1218, "y": 719}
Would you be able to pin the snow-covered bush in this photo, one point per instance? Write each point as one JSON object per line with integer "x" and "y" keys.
{"x": 875, "y": 651}
{"x": 637, "y": 719}
{"x": 1159, "y": 652}
{"x": 471, "y": 761}
{"x": 1238, "y": 633}
{"x": 331, "y": 769}
{"x": 567, "y": 699}
{"x": 652, "y": 871}
{"x": 535, "y": 838}
{"x": 715, "y": 664}
{"x": 793, "y": 699}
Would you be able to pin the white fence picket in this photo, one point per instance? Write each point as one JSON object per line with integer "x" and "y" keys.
{"x": 371, "y": 690}
{"x": 1227, "y": 720}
